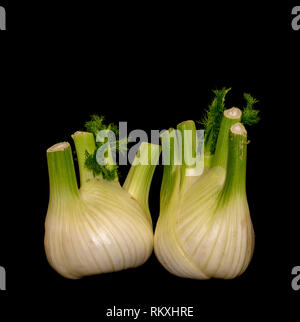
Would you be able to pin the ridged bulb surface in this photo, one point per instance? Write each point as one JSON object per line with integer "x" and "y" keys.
{"x": 199, "y": 236}
{"x": 104, "y": 230}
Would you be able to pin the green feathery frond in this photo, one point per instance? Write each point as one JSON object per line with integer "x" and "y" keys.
{"x": 212, "y": 119}
{"x": 249, "y": 115}
{"x": 95, "y": 125}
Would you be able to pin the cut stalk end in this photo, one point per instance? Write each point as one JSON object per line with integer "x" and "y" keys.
{"x": 58, "y": 147}
{"x": 233, "y": 113}
{"x": 238, "y": 129}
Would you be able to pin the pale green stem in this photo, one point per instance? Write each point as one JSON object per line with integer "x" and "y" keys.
{"x": 172, "y": 166}
{"x": 84, "y": 142}
{"x": 140, "y": 175}
{"x": 62, "y": 177}
{"x": 192, "y": 163}
{"x": 230, "y": 117}
{"x": 235, "y": 183}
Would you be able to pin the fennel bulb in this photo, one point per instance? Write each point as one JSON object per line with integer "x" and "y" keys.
{"x": 204, "y": 228}
{"x": 101, "y": 227}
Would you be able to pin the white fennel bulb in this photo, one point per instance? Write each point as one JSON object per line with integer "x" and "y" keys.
{"x": 101, "y": 227}
{"x": 204, "y": 228}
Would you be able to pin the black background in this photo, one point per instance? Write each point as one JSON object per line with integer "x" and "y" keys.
{"x": 153, "y": 66}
